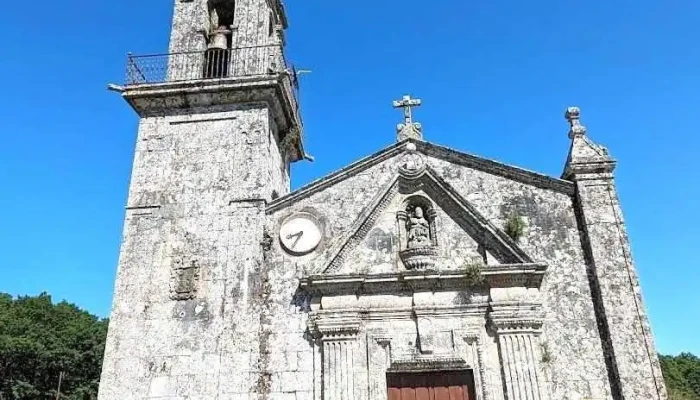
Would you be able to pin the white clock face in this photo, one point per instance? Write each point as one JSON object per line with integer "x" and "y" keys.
{"x": 300, "y": 234}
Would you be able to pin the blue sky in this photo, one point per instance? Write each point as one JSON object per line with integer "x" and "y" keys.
{"x": 494, "y": 76}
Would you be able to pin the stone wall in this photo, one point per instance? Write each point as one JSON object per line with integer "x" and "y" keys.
{"x": 186, "y": 320}
{"x": 571, "y": 350}
{"x": 575, "y": 365}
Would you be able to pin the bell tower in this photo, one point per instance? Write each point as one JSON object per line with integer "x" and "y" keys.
{"x": 219, "y": 126}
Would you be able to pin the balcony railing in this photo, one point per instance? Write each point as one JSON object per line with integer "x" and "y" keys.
{"x": 210, "y": 64}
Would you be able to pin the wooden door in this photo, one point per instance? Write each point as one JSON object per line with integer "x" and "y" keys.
{"x": 452, "y": 385}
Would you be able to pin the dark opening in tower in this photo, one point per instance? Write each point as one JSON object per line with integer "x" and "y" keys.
{"x": 217, "y": 57}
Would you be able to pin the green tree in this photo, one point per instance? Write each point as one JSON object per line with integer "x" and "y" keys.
{"x": 682, "y": 376}
{"x": 39, "y": 340}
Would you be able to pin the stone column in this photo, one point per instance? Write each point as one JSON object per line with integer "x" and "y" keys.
{"x": 630, "y": 355}
{"x": 518, "y": 332}
{"x": 379, "y": 361}
{"x": 339, "y": 349}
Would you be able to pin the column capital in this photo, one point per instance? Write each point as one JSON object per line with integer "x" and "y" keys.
{"x": 513, "y": 318}
{"x": 345, "y": 327}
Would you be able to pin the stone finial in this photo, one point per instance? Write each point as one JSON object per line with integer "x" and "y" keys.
{"x": 573, "y": 115}
{"x": 408, "y": 129}
{"x": 586, "y": 158}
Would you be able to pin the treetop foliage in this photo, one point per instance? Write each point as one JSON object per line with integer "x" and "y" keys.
{"x": 39, "y": 340}
{"x": 682, "y": 376}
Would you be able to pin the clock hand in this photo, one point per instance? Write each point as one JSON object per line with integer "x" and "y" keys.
{"x": 298, "y": 235}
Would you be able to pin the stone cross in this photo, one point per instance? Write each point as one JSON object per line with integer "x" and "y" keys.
{"x": 407, "y": 103}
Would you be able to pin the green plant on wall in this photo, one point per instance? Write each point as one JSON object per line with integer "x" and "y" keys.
{"x": 515, "y": 227}
{"x": 473, "y": 274}
{"x": 291, "y": 140}
{"x": 546, "y": 355}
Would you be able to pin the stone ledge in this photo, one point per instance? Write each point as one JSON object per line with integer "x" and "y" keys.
{"x": 171, "y": 98}
{"x": 426, "y": 364}
{"x": 507, "y": 275}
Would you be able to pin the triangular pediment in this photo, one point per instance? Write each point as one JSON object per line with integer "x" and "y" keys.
{"x": 459, "y": 234}
{"x": 431, "y": 150}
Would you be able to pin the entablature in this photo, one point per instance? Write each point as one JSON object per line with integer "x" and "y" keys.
{"x": 498, "y": 276}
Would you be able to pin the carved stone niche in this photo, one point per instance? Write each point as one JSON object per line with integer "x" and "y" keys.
{"x": 418, "y": 233}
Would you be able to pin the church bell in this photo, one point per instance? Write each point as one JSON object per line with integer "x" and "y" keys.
{"x": 218, "y": 53}
{"x": 219, "y": 39}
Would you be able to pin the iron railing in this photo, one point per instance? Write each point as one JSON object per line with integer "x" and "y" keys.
{"x": 209, "y": 64}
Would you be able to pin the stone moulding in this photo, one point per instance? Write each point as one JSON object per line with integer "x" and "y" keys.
{"x": 321, "y": 184}
{"x": 426, "y": 364}
{"x": 155, "y": 99}
{"x": 362, "y": 226}
{"x": 516, "y": 316}
{"x": 334, "y": 326}
{"x": 432, "y": 150}
{"x": 419, "y": 258}
{"x": 476, "y": 342}
{"x": 510, "y": 275}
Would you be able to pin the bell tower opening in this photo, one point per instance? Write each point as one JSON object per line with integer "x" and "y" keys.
{"x": 217, "y": 57}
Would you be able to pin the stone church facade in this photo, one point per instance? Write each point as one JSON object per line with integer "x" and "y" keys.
{"x": 419, "y": 272}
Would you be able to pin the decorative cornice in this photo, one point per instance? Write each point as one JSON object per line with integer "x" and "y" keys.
{"x": 425, "y": 364}
{"x": 512, "y": 275}
{"x": 590, "y": 169}
{"x": 171, "y": 98}
{"x": 334, "y": 178}
{"x": 462, "y": 310}
{"x": 381, "y": 337}
{"x": 497, "y": 168}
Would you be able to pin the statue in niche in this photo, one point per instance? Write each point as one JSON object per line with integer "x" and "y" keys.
{"x": 418, "y": 232}
{"x": 418, "y": 229}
